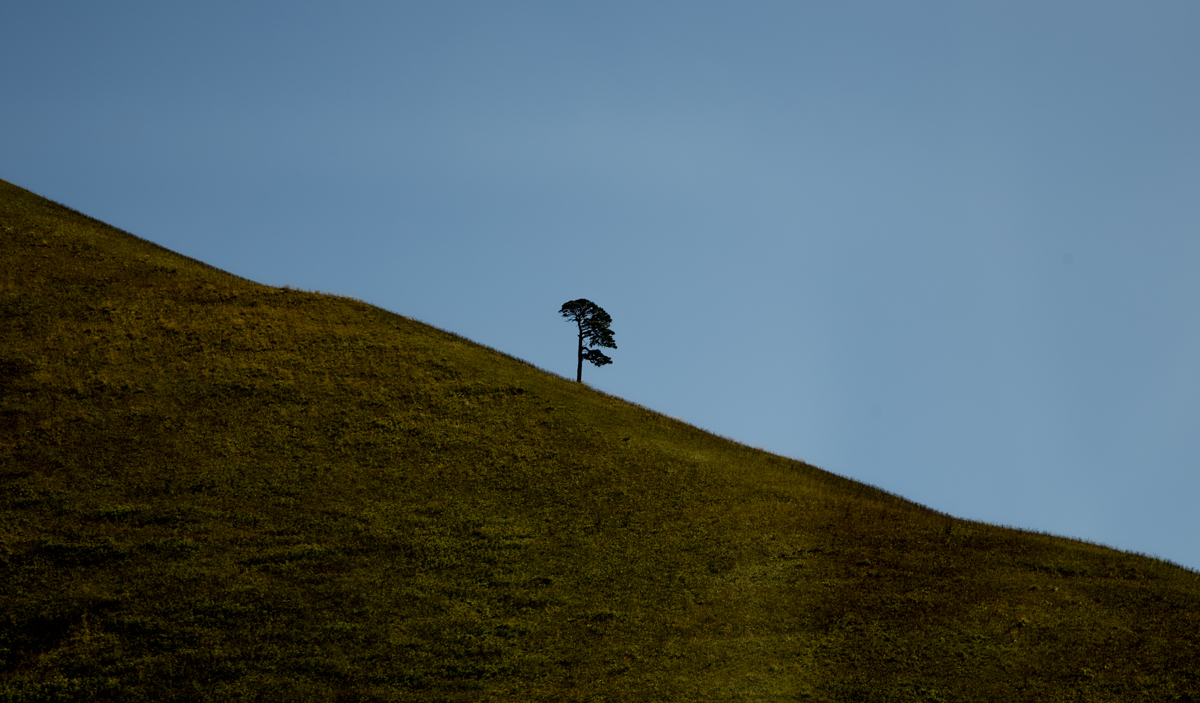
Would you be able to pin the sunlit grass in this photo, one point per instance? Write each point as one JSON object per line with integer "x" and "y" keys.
{"x": 218, "y": 490}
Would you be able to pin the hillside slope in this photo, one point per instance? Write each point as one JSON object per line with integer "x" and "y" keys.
{"x": 212, "y": 489}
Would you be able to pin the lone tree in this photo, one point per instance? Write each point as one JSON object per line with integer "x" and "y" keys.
{"x": 593, "y": 325}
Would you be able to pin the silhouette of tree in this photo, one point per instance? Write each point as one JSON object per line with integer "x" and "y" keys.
{"x": 593, "y": 325}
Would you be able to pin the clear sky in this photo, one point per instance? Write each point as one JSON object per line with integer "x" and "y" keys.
{"x": 951, "y": 249}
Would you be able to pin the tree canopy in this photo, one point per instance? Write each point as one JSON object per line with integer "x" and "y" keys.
{"x": 594, "y": 331}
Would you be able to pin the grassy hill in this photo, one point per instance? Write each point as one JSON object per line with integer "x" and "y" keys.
{"x": 212, "y": 489}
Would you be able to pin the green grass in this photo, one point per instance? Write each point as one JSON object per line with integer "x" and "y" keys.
{"x": 212, "y": 489}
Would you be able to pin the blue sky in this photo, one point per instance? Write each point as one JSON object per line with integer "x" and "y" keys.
{"x": 949, "y": 249}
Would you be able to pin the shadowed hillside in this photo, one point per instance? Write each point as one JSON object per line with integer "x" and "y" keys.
{"x": 212, "y": 489}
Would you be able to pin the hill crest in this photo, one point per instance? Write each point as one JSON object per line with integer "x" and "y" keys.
{"x": 215, "y": 489}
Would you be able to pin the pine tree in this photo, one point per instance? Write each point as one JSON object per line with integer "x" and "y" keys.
{"x": 593, "y": 325}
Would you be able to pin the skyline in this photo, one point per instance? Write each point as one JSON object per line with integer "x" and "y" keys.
{"x": 947, "y": 251}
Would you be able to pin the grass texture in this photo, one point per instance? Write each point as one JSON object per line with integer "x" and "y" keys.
{"x": 215, "y": 490}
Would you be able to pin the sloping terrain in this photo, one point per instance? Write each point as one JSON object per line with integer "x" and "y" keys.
{"x": 212, "y": 489}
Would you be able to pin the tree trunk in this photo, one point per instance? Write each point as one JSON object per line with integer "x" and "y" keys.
{"x": 579, "y": 363}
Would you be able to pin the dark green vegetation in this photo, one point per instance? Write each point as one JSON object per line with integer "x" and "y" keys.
{"x": 212, "y": 489}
